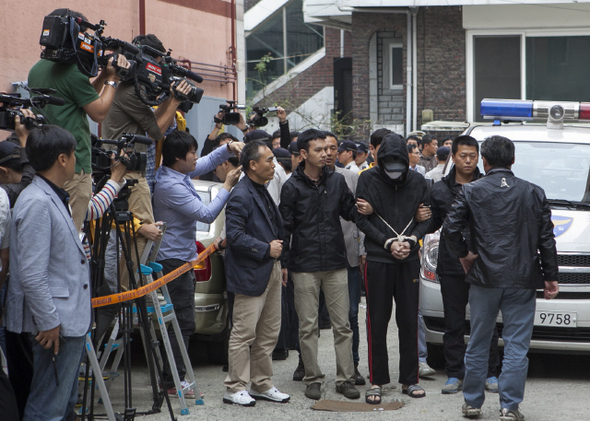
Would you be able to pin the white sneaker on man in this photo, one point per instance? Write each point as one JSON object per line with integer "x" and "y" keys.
{"x": 271, "y": 394}
{"x": 242, "y": 398}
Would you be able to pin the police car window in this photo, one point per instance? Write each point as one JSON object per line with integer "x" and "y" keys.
{"x": 206, "y": 199}
{"x": 560, "y": 169}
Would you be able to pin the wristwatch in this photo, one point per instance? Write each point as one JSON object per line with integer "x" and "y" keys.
{"x": 111, "y": 83}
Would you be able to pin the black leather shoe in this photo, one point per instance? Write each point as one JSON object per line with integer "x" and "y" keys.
{"x": 357, "y": 377}
{"x": 280, "y": 354}
{"x": 299, "y": 372}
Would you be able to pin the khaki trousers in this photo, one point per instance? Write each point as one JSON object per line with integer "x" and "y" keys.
{"x": 334, "y": 283}
{"x": 256, "y": 324}
{"x": 80, "y": 190}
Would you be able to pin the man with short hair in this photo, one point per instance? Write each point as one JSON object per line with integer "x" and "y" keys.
{"x": 253, "y": 271}
{"x": 442, "y": 156}
{"x": 312, "y": 201}
{"x": 82, "y": 99}
{"x": 447, "y": 141}
{"x": 347, "y": 155}
{"x": 454, "y": 289}
{"x": 355, "y": 255}
{"x": 129, "y": 114}
{"x": 414, "y": 140}
{"x": 177, "y": 203}
{"x": 428, "y": 156}
{"x": 50, "y": 303}
{"x": 374, "y": 143}
{"x": 511, "y": 254}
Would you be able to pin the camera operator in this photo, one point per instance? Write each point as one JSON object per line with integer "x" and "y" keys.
{"x": 82, "y": 98}
{"x": 15, "y": 171}
{"x": 130, "y": 115}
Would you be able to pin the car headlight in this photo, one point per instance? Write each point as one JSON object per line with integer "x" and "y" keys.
{"x": 430, "y": 258}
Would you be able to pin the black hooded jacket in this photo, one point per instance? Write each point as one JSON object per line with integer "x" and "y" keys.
{"x": 395, "y": 201}
{"x": 313, "y": 235}
{"x": 442, "y": 196}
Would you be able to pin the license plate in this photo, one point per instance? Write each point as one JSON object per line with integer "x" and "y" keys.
{"x": 555, "y": 319}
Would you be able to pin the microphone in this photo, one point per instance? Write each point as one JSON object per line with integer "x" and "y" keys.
{"x": 54, "y": 100}
{"x": 144, "y": 140}
{"x": 194, "y": 76}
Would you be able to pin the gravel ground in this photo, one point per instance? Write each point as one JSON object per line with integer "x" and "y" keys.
{"x": 556, "y": 389}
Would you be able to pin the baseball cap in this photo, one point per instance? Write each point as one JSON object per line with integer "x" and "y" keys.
{"x": 362, "y": 147}
{"x": 256, "y": 135}
{"x": 8, "y": 151}
{"x": 393, "y": 164}
{"x": 347, "y": 145}
{"x": 293, "y": 148}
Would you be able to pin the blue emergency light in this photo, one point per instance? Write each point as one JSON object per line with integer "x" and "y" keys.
{"x": 523, "y": 109}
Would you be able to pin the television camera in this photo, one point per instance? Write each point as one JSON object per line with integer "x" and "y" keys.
{"x": 13, "y": 103}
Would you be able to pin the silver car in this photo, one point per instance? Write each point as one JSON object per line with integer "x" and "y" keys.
{"x": 557, "y": 158}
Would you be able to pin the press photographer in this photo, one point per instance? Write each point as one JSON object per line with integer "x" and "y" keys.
{"x": 63, "y": 67}
{"x": 130, "y": 114}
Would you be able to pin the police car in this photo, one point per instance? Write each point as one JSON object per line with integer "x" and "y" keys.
{"x": 555, "y": 156}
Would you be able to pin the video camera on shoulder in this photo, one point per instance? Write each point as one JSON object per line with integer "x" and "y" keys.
{"x": 13, "y": 103}
{"x": 66, "y": 41}
{"x": 153, "y": 78}
{"x": 134, "y": 161}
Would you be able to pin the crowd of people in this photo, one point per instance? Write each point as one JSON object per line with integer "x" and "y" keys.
{"x": 311, "y": 221}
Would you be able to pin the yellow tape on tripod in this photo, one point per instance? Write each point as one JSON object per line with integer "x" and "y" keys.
{"x": 152, "y": 286}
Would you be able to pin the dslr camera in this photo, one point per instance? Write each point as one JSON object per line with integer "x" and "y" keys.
{"x": 134, "y": 161}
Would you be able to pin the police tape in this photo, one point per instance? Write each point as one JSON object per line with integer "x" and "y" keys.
{"x": 152, "y": 286}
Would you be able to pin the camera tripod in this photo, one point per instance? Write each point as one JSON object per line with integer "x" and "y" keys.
{"x": 119, "y": 220}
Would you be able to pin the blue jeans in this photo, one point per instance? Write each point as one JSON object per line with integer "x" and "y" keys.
{"x": 49, "y": 401}
{"x": 518, "y": 313}
{"x": 354, "y": 295}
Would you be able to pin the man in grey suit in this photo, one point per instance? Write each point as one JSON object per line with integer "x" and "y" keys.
{"x": 49, "y": 289}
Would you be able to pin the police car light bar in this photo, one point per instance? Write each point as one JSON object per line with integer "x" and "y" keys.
{"x": 516, "y": 109}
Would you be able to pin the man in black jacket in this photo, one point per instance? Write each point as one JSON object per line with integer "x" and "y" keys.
{"x": 454, "y": 289}
{"x": 391, "y": 243}
{"x": 312, "y": 201}
{"x": 510, "y": 254}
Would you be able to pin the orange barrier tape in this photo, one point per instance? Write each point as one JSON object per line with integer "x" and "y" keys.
{"x": 152, "y": 286}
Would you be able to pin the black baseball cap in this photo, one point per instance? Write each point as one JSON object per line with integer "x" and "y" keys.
{"x": 293, "y": 148}
{"x": 8, "y": 151}
{"x": 347, "y": 145}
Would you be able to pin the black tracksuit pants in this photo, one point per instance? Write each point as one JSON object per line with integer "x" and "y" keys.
{"x": 455, "y": 295}
{"x": 385, "y": 282}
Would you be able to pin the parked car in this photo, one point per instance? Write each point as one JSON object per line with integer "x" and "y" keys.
{"x": 210, "y": 293}
{"x": 555, "y": 156}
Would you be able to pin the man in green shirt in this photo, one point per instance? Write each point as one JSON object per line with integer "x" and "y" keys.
{"x": 83, "y": 99}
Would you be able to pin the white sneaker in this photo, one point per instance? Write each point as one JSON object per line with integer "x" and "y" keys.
{"x": 424, "y": 370}
{"x": 242, "y": 398}
{"x": 273, "y": 395}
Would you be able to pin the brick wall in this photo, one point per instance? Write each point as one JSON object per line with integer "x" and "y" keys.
{"x": 311, "y": 81}
{"x": 441, "y": 63}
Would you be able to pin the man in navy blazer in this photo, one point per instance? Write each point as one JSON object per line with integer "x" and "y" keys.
{"x": 253, "y": 271}
{"x": 49, "y": 289}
